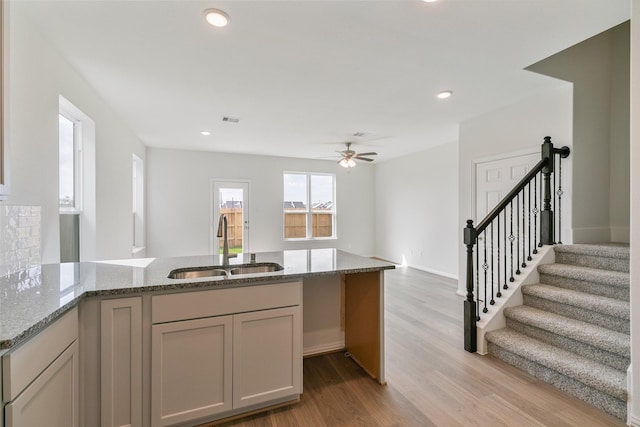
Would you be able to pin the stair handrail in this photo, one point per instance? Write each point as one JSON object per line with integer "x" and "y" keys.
{"x": 545, "y": 166}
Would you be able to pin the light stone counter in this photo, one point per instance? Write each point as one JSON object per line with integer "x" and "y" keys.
{"x": 31, "y": 299}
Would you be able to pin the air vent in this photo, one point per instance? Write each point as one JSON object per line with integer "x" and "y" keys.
{"x": 359, "y": 134}
{"x": 230, "y": 119}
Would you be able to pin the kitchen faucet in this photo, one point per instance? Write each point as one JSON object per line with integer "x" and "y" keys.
{"x": 222, "y": 230}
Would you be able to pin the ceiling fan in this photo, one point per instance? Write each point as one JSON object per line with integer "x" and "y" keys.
{"x": 349, "y": 156}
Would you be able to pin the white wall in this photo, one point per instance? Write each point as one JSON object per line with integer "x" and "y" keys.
{"x": 519, "y": 127}
{"x": 598, "y": 67}
{"x": 179, "y": 199}
{"x": 416, "y": 206}
{"x": 38, "y": 75}
{"x": 634, "y": 415}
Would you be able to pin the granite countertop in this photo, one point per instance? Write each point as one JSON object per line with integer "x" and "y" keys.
{"x": 33, "y": 298}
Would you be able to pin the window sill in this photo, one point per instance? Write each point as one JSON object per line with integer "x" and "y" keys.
{"x": 137, "y": 249}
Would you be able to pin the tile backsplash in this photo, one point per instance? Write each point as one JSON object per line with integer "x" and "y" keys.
{"x": 19, "y": 238}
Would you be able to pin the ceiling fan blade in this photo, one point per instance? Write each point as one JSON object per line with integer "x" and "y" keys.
{"x": 368, "y": 154}
{"x": 363, "y": 158}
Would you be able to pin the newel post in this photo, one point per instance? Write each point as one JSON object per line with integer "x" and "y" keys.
{"x": 547, "y": 226}
{"x": 546, "y": 216}
{"x": 470, "y": 334}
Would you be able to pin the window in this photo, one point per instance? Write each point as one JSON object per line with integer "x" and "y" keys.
{"x": 76, "y": 182}
{"x": 70, "y": 162}
{"x": 309, "y": 206}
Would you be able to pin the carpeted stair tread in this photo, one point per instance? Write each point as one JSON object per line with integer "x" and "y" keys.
{"x": 588, "y": 274}
{"x": 603, "y": 305}
{"x": 609, "y": 256}
{"x": 608, "y": 250}
{"x": 593, "y": 374}
{"x": 596, "y": 336}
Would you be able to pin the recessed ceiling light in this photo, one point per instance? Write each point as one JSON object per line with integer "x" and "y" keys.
{"x": 205, "y": 132}
{"x": 216, "y": 17}
{"x": 444, "y": 94}
{"x": 429, "y": 1}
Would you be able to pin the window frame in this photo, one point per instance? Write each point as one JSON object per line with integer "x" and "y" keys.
{"x": 309, "y": 211}
{"x": 77, "y": 163}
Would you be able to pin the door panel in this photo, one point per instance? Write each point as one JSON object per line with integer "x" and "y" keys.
{"x": 494, "y": 179}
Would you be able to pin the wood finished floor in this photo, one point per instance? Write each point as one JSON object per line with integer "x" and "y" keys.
{"x": 431, "y": 380}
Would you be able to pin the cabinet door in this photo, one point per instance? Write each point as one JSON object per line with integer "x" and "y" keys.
{"x": 121, "y": 362}
{"x": 267, "y": 356}
{"x": 190, "y": 369}
{"x": 52, "y": 399}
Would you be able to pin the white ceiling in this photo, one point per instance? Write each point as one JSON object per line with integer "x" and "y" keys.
{"x": 304, "y": 75}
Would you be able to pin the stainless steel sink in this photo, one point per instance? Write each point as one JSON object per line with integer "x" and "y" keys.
{"x": 224, "y": 270}
{"x": 260, "y": 268}
{"x": 196, "y": 273}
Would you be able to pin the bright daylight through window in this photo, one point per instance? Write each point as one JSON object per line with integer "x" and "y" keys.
{"x": 309, "y": 206}
{"x": 68, "y": 163}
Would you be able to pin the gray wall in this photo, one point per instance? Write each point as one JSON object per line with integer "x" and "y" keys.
{"x": 599, "y": 70}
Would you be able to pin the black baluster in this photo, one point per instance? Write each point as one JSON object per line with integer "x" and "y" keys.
{"x": 524, "y": 236}
{"x": 511, "y": 239}
{"x": 535, "y": 214}
{"x": 505, "y": 251}
{"x": 499, "y": 293}
{"x": 478, "y": 282}
{"x": 554, "y": 196}
{"x": 492, "y": 302}
{"x": 485, "y": 267}
{"x": 517, "y": 234}
{"x": 559, "y": 200}
{"x": 529, "y": 217}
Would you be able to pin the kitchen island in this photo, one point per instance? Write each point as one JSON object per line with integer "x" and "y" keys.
{"x": 132, "y": 322}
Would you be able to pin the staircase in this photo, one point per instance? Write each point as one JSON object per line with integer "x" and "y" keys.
{"x": 572, "y": 330}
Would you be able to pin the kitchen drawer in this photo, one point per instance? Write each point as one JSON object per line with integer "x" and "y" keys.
{"x": 22, "y": 365}
{"x": 218, "y": 302}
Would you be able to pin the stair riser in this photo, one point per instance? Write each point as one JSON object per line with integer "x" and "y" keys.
{"x": 603, "y": 263}
{"x": 599, "y": 355}
{"x": 609, "y": 291}
{"x": 599, "y": 399}
{"x": 614, "y": 323}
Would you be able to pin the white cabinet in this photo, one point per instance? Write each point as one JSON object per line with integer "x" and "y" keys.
{"x": 52, "y": 399}
{"x": 243, "y": 352}
{"x": 121, "y": 362}
{"x": 267, "y": 355}
{"x": 190, "y": 369}
{"x": 40, "y": 377}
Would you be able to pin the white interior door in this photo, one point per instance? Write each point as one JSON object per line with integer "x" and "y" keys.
{"x": 232, "y": 199}
{"x": 495, "y": 178}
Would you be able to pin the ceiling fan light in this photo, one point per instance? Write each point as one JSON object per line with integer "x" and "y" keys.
{"x": 216, "y": 17}
{"x": 343, "y": 163}
{"x": 351, "y": 163}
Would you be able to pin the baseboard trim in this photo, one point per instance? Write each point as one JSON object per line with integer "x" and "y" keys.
{"x": 620, "y": 234}
{"x": 436, "y": 272}
{"x": 317, "y": 350}
{"x": 634, "y": 421}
